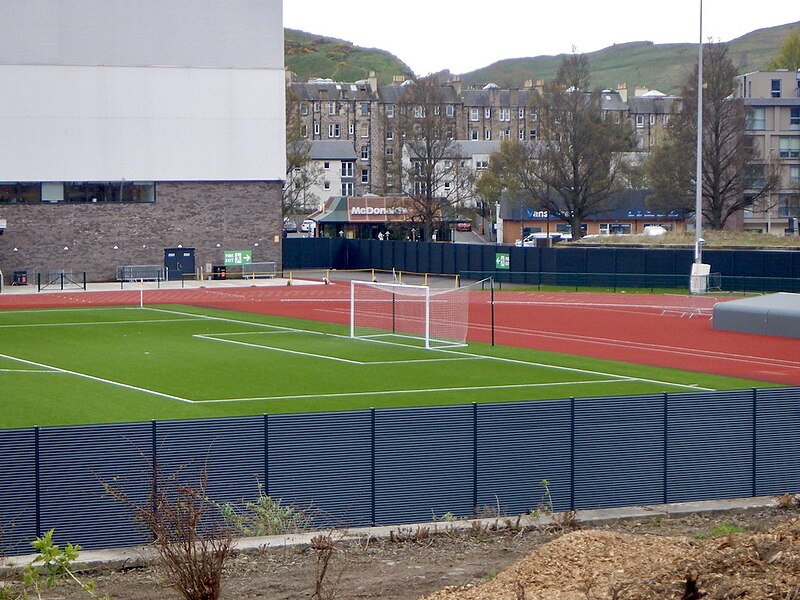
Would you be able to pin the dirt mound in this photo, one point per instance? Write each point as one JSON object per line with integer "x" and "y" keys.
{"x": 625, "y": 566}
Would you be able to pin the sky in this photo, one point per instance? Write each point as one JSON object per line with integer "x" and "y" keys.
{"x": 465, "y": 35}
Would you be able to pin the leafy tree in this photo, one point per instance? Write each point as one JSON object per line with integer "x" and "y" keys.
{"x": 729, "y": 159}
{"x": 436, "y": 176}
{"x": 301, "y": 173}
{"x": 788, "y": 56}
{"x": 574, "y": 166}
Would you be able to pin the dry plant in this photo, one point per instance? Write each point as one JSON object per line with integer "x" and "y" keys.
{"x": 325, "y": 587}
{"x": 193, "y": 550}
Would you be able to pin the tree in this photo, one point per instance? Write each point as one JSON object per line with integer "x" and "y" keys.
{"x": 732, "y": 176}
{"x": 788, "y": 56}
{"x": 436, "y": 176}
{"x": 302, "y": 174}
{"x": 572, "y": 168}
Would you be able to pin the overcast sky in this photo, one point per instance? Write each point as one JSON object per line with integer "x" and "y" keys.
{"x": 464, "y": 35}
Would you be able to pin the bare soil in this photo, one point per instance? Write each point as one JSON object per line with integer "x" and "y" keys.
{"x": 752, "y": 555}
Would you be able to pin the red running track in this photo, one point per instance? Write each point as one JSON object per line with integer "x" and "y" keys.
{"x": 657, "y": 330}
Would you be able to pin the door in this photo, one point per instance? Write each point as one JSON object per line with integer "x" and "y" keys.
{"x": 178, "y": 262}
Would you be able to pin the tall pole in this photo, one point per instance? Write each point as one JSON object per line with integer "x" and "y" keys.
{"x": 698, "y": 206}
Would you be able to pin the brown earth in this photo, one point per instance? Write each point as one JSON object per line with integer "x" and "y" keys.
{"x": 754, "y": 555}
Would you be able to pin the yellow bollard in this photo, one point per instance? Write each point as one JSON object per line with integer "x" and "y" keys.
{"x": 289, "y": 281}
{"x": 373, "y": 276}
{"x": 425, "y": 279}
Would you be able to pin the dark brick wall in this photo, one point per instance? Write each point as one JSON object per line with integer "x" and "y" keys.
{"x": 208, "y": 216}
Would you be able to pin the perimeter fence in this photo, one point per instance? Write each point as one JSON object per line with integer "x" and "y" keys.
{"x": 395, "y": 466}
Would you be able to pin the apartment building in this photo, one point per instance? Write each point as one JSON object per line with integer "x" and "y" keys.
{"x": 773, "y": 125}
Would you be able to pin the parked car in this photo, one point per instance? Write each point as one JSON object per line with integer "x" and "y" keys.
{"x": 289, "y": 226}
{"x": 308, "y": 226}
{"x": 463, "y": 226}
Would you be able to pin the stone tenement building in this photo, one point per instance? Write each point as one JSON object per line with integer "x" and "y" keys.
{"x": 367, "y": 115}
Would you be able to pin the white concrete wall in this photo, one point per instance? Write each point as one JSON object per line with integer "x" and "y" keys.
{"x": 142, "y": 90}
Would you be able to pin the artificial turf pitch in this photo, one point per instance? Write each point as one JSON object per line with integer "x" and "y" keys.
{"x": 111, "y": 365}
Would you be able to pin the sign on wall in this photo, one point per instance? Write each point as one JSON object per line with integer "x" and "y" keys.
{"x": 502, "y": 261}
{"x": 238, "y": 257}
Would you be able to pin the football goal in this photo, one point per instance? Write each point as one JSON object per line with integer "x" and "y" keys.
{"x": 435, "y": 318}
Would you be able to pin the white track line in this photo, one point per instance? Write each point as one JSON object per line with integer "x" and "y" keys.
{"x": 98, "y": 379}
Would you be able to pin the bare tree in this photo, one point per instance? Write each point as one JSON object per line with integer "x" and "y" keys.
{"x": 733, "y": 175}
{"x": 436, "y": 176}
{"x": 573, "y": 167}
{"x": 302, "y": 174}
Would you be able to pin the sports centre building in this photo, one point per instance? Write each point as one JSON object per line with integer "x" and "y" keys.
{"x": 132, "y": 127}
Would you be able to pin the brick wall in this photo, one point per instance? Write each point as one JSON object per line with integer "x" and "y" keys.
{"x": 208, "y": 216}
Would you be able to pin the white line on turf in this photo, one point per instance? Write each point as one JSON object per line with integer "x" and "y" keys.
{"x": 93, "y": 378}
{"x": 418, "y": 391}
{"x": 26, "y": 371}
{"x": 134, "y": 322}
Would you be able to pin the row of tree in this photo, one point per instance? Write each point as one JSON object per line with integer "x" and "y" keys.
{"x": 581, "y": 156}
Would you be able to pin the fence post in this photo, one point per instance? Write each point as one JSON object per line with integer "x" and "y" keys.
{"x": 475, "y": 458}
{"x": 266, "y": 454}
{"x": 572, "y": 452}
{"x": 372, "y": 466}
{"x": 154, "y": 450}
{"x": 755, "y": 438}
{"x": 666, "y": 447}
{"x": 37, "y": 481}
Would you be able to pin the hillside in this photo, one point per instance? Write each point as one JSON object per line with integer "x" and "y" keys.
{"x": 309, "y": 55}
{"x": 657, "y": 66}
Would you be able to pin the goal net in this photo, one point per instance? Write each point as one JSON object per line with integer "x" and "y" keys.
{"x": 435, "y": 317}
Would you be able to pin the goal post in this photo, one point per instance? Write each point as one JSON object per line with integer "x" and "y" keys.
{"x": 435, "y": 318}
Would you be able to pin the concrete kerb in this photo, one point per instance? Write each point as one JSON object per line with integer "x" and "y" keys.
{"x": 141, "y": 556}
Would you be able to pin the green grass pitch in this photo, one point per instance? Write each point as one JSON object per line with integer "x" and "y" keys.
{"x": 109, "y": 365}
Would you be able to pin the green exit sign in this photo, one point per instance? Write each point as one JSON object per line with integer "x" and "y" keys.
{"x": 238, "y": 257}
{"x": 502, "y": 261}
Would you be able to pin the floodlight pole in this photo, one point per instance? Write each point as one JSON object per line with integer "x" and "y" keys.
{"x": 698, "y": 207}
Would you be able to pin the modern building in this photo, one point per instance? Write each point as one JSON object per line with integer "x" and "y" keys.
{"x": 773, "y": 126}
{"x": 129, "y": 127}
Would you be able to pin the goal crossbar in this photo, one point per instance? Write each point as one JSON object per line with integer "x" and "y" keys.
{"x": 435, "y": 317}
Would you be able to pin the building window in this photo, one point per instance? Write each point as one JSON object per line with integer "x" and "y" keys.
{"x": 437, "y": 110}
{"x": 794, "y": 117}
{"x": 481, "y": 165}
{"x": 521, "y": 135}
{"x": 348, "y": 189}
{"x": 487, "y": 112}
{"x": 347, "y": 169}
{"x": 450, "y": 110}
{"x": 390, "y": 111}
{"x": 664, "y": 119}
{"x": 505, "y": 134}
{"x": 615, "y": 228}
{"x": 756, "y": 118}
{"x": 789, "y": 147}
{"x": 326, "y": 185}
{"x": 57, "y": 192}
{"x": 652, "y": 119}
{"x": 389, "y": 152}
{"x": 639, "y": 121}
{"x": 788, "y": 205}
{"x": 331, "y": 108}
{"x": 775, "y": 88}
{"x": 794, "y": 175}
{"x": 534, "y": 115}
{"x": 364, "y": 152}
{"x": 473, "y": 114}
{"x": 521, "y": 113}
{"x": 365, "y": 108}
{"x": 304, "y": 130}
{"x": 505, "y": 114}
{"x": 389, "y": 134}
{"x": 304, "y": 108}
{"x": 487, "y": 134}
{"x": 326, "y": 165}
{"x": 316, "y": 128}
{"x": 754, "y": 177}
{"x": 533, "y": 134}
{"x": 473, "y": 134}
{"x": 333, "y": 130}
{"x": 316, "y": 106}
{"x": 364, "y": 175}
{"x": 418, "y": 112}
{"x": 351, "y": 129}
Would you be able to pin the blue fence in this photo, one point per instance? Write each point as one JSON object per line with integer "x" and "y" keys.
{"x": 740, "y": 270}
{"x": 387, "y": 466}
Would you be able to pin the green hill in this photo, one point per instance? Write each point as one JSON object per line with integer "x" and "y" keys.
{"x": 309, "y": 55}
{"x": 657, "y": 66}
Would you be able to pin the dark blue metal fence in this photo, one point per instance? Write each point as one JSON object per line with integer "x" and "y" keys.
{"x": 385, "y": 466}
{"x": 741, "y": 270}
